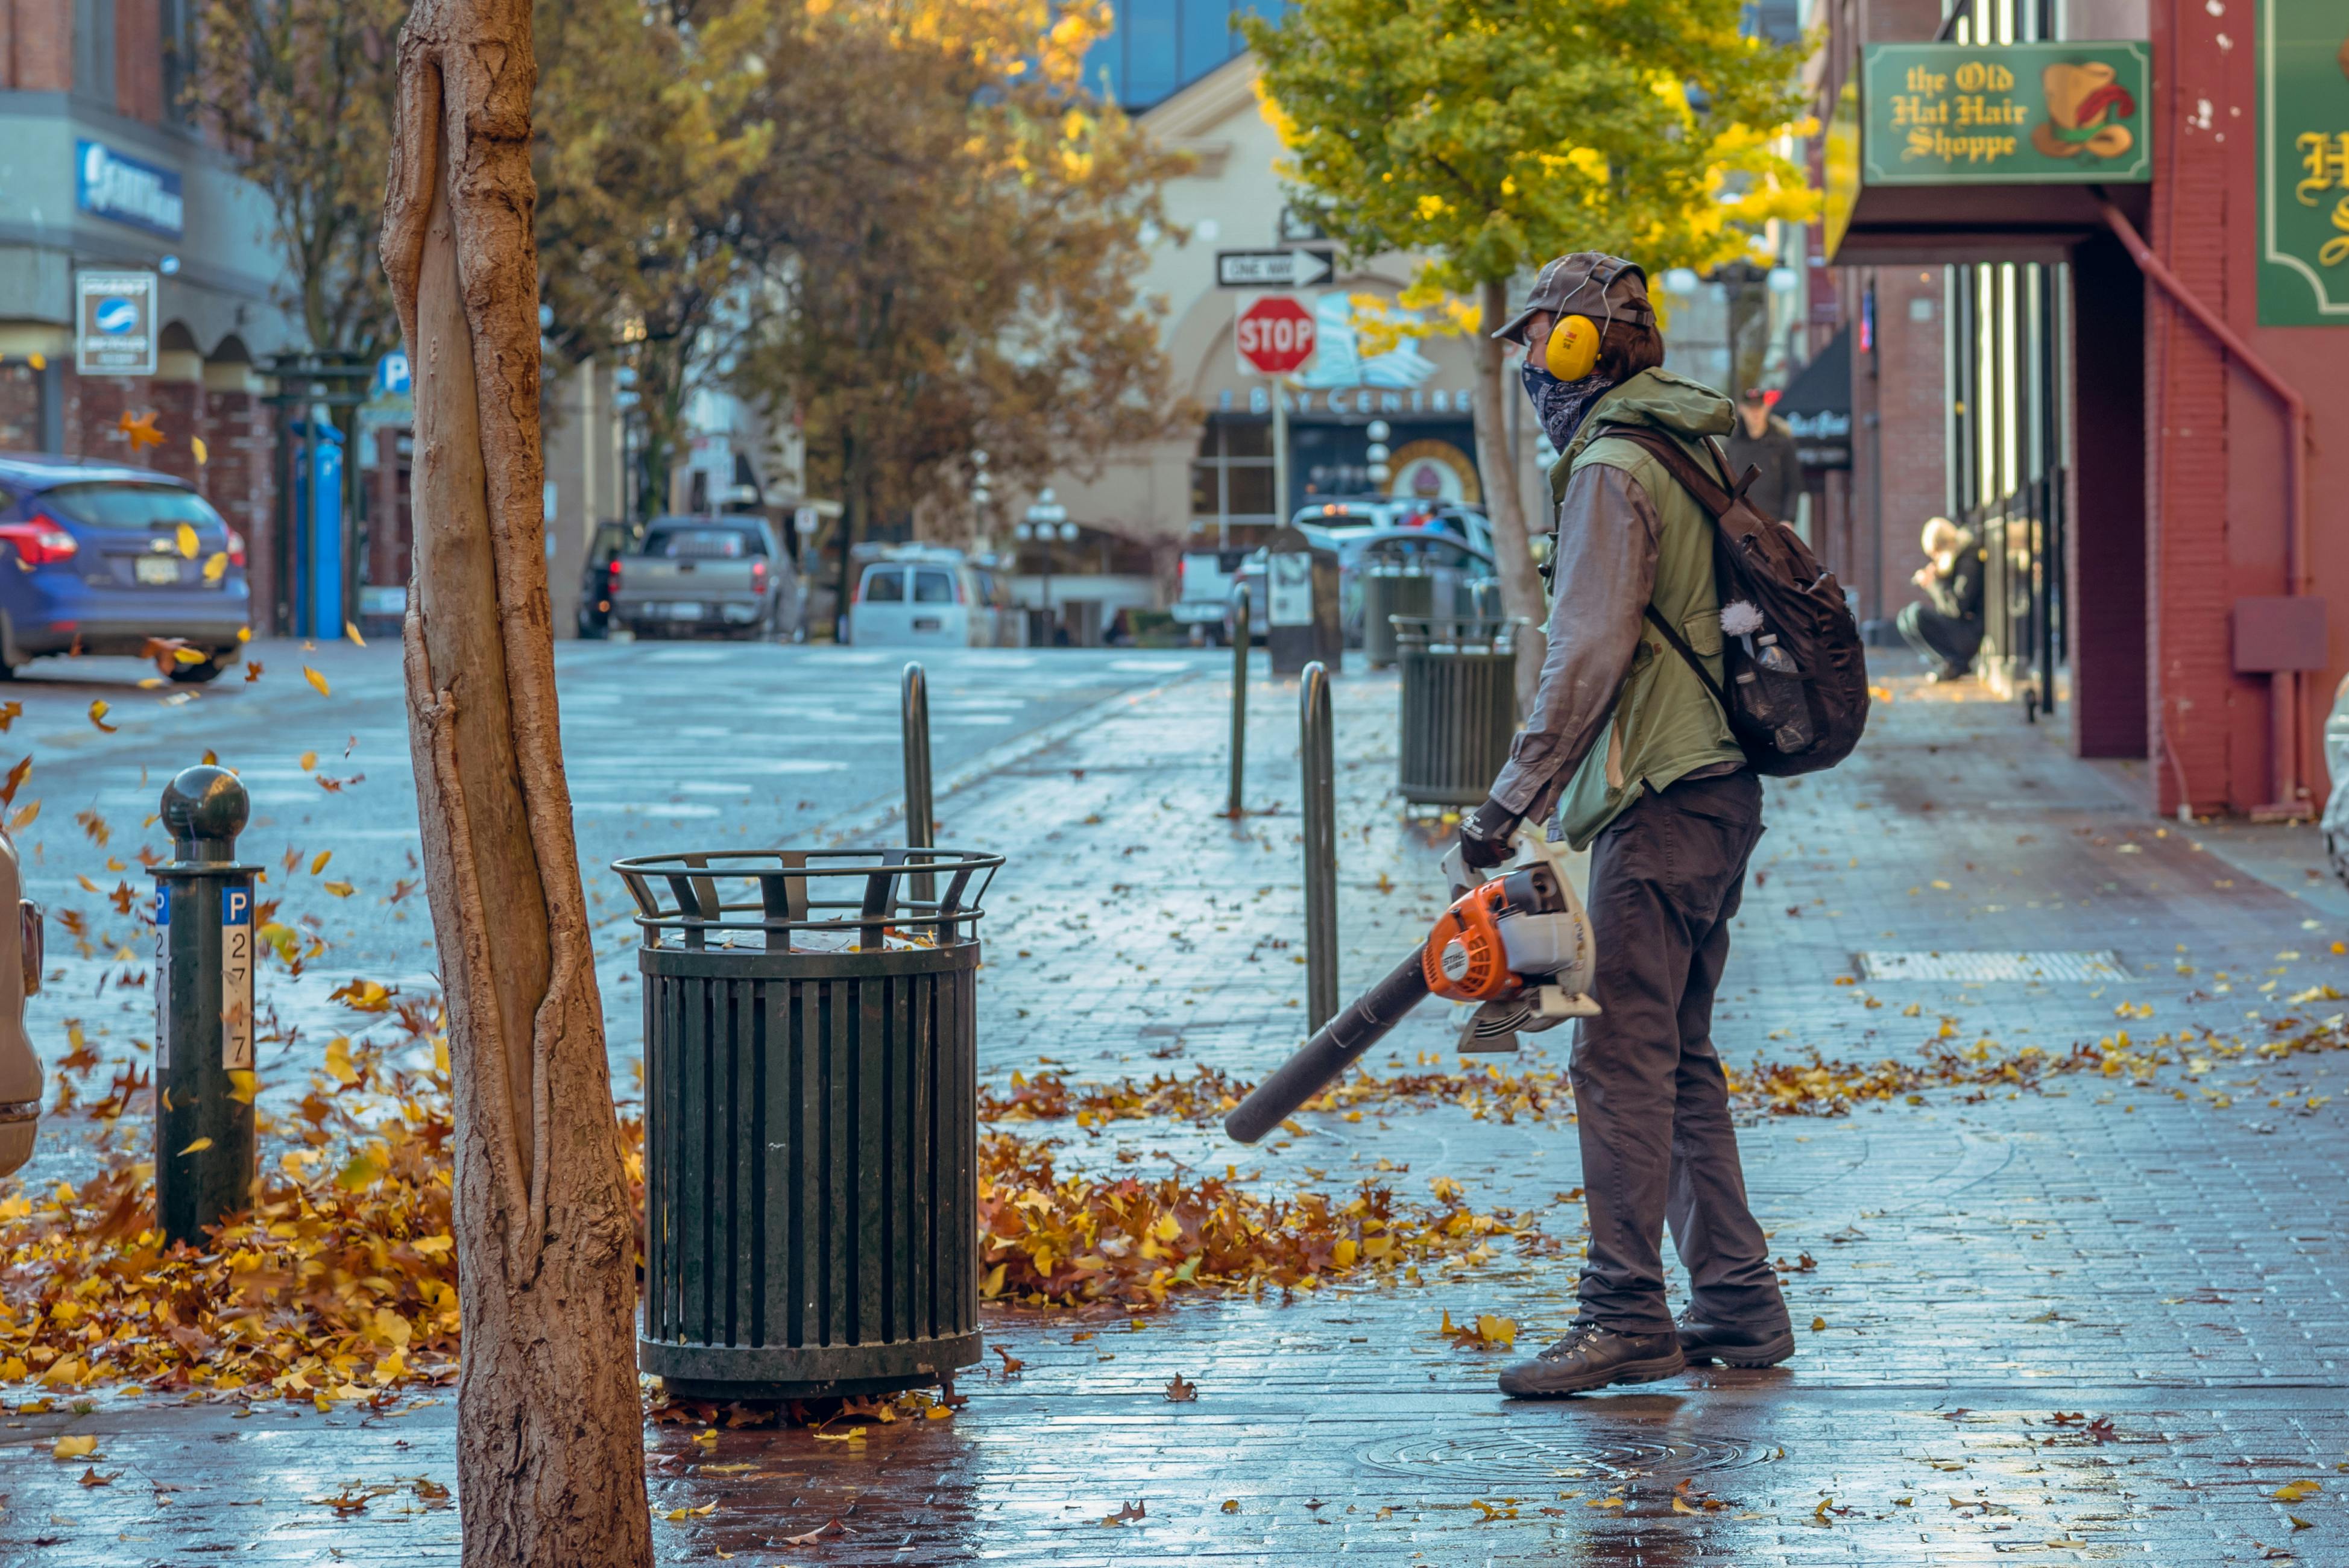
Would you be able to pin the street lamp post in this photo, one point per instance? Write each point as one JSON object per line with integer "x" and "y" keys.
{"x": 979, "y": 496}
{"x": 1046, "y": 518}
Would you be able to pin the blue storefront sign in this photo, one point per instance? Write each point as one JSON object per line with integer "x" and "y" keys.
{"x": 107, "y": 184}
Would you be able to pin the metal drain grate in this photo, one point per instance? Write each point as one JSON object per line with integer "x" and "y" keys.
{"x": 1992, "y": 965}
{"x": 1508, "y": 1458}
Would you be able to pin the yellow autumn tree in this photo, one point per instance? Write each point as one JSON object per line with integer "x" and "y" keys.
{"x": 1490, "y": 139}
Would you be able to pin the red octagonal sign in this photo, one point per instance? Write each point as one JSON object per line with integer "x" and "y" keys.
{"x": 1275, "y": 335}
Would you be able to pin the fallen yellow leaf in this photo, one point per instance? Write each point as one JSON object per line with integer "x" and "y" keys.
{"x": 79, "y": 1447}
{"x": 198, "y": 1147}
{"x": 216, "y": 566}
{"x": 97, "y": 712}
{"x": 849, "y": 1436}
{"x": 2292, "y": 1492}
{"x": 188, "y": 542}
{"x": 317, "y": 680}
{"x": 318, "y": 861}
{"x": 340, "y": 889}
{"x": 352, "y": 632}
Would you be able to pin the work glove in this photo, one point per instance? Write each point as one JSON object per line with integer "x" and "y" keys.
{"x": 1484, "y": 835}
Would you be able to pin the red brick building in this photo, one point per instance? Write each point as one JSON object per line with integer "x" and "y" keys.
{"x": 2099, "y": 296}
{"x": 108, "y": 171}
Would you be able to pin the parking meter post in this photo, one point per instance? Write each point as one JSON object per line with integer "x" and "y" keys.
{"x": 921, "y": 811}
{"x": 1241, "y": 621}
{"x": 205, "y": 952}
{"x": 1319, "y": 765}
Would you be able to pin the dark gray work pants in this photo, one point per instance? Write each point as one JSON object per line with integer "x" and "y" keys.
{"x": 1651, "y": 1102}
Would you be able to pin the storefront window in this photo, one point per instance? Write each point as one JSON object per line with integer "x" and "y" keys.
{"x": 1231, "y": 479}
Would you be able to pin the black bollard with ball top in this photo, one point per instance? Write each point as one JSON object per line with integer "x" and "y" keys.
{"x": 205, "y": 947}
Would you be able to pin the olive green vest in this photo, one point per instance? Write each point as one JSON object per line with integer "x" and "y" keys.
{"x": 1665, "y": 724}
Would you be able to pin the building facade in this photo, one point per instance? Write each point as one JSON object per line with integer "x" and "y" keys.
{"x": 2098, "y": 304}
{"x": 102, "y": 171}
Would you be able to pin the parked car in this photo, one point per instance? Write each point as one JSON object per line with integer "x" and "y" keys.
{"x": 692, "y": 575}
{"x": 1456, "y": 565}
{"x": 597, "y": 579}
{"x": 1203, "y": 582}
{"x": 104, "y": 566}
{"x": 920, "y": 595}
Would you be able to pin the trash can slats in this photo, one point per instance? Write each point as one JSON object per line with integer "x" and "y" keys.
{"x": 1459, "y": 706}
{"x": 811, "y": 1123}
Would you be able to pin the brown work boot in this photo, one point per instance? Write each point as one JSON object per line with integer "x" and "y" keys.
{"x": 1590, "y": 1356}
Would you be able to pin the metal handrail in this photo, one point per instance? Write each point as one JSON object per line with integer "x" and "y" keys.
{"x": 788, "y": 902}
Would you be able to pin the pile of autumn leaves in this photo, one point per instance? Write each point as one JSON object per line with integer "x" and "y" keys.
{"x": 341, "y": 1285}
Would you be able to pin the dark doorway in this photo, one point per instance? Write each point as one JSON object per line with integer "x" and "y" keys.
{"x": 2109, "y": 536}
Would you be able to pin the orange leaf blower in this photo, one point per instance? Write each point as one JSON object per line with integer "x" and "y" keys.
{"x": 1518, "y": 945}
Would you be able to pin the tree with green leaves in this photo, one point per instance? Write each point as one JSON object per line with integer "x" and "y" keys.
{"x": 1492, "y": 135}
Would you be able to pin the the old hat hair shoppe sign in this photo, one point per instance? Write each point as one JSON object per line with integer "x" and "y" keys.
{"x": 2006, "y": 114}
{"x": 2304, "y": 148}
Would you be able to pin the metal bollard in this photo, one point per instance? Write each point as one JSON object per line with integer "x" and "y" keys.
{"x": 205, "y": 1158}
{"x": 921, "y": 812}
{"x": 1240, "y": 636}
{"x": 1317, "y": 763}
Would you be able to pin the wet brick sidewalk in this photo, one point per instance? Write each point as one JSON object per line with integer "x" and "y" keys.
{"x": 2099, "y": 1323}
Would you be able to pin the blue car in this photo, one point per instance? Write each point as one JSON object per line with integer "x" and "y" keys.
{"x": 93, "y": 561}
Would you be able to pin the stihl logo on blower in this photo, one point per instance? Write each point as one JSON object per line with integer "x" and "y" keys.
{"x": 1518, "y": 946}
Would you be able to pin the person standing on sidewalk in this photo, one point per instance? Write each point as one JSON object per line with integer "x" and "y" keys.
{"x": 1763, "y": 441}
{"x": 1636, "y": 759}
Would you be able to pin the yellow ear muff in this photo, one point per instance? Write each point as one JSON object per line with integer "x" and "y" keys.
{"x": 1573, "y": 349}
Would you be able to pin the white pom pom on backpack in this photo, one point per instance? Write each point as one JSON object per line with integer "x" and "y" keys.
{"x": 1740, "y": 619}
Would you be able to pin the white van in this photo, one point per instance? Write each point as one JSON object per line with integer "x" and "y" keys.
{"x": 901, "y": 602}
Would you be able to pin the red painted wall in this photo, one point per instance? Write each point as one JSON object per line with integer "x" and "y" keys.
{"x": 2216, "y": 438}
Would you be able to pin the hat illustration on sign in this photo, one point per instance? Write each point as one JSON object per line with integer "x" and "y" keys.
{"x": 2084, "y": 109}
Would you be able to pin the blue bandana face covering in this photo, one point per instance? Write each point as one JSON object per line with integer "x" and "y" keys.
{"x": 1562, "y": 405}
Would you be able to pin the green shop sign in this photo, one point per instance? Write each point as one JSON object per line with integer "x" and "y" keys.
{"x": 2303, "y": 128}
{"x": 2006, "y": 114}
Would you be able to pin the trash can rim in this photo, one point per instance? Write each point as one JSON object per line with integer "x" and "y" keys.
{"x": 680, "y": 892}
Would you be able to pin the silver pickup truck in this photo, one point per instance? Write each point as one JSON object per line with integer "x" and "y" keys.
{"x": 706, "y": 575}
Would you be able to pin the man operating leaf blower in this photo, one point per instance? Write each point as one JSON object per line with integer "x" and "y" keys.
{"x": 1629, "y": 744}
{"x": 1694, "y": 643}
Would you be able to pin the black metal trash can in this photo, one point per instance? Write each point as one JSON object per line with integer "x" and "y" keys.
{"x": 1459, "y": 706}
{"x": 811, "y": 1120}
{"x": 1391, "y": 589}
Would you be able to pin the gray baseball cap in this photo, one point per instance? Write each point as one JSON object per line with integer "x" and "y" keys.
{"x": 1588, "y": 283}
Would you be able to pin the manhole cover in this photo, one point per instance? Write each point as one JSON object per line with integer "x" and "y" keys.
{"x": 1992, "y": 965}
{"x": 1542, "y": 1457}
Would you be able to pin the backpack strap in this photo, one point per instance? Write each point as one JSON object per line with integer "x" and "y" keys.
{"x": 1715, "y": 495}
{"x": 1680, "y": 647}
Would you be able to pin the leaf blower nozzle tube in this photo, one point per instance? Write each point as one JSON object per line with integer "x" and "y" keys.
{"x": 1334, "y": 1047}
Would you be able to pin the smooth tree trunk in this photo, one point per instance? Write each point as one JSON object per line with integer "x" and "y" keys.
{"x": 550, "y": 1446}
{"x": 1521, "y": 585}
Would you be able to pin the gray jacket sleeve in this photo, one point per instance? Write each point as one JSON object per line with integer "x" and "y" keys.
{"x": 1607, "y": 539}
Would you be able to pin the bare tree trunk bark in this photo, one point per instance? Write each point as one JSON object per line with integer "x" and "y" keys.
{"x": 549, "y": 1444}
{"x": 1521, "y": 586}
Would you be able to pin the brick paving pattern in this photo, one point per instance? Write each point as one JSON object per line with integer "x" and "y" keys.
{"x": 2099, "y": 1321}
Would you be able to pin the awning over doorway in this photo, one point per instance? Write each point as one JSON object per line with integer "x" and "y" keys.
{"x": 1954, "y": 152}
{"x": 1818, "y": 407}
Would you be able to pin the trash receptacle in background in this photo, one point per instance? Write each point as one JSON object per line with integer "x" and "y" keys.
{"x": 811, "y": 1120}
{"x": 1459, "y": 706}
{"x": 1392, "y": 588}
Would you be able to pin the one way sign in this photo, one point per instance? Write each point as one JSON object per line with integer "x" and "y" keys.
{"x": 1273, "y": 269}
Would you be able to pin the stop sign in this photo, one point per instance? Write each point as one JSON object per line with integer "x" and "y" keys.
{"x": 1275, "y": 335}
